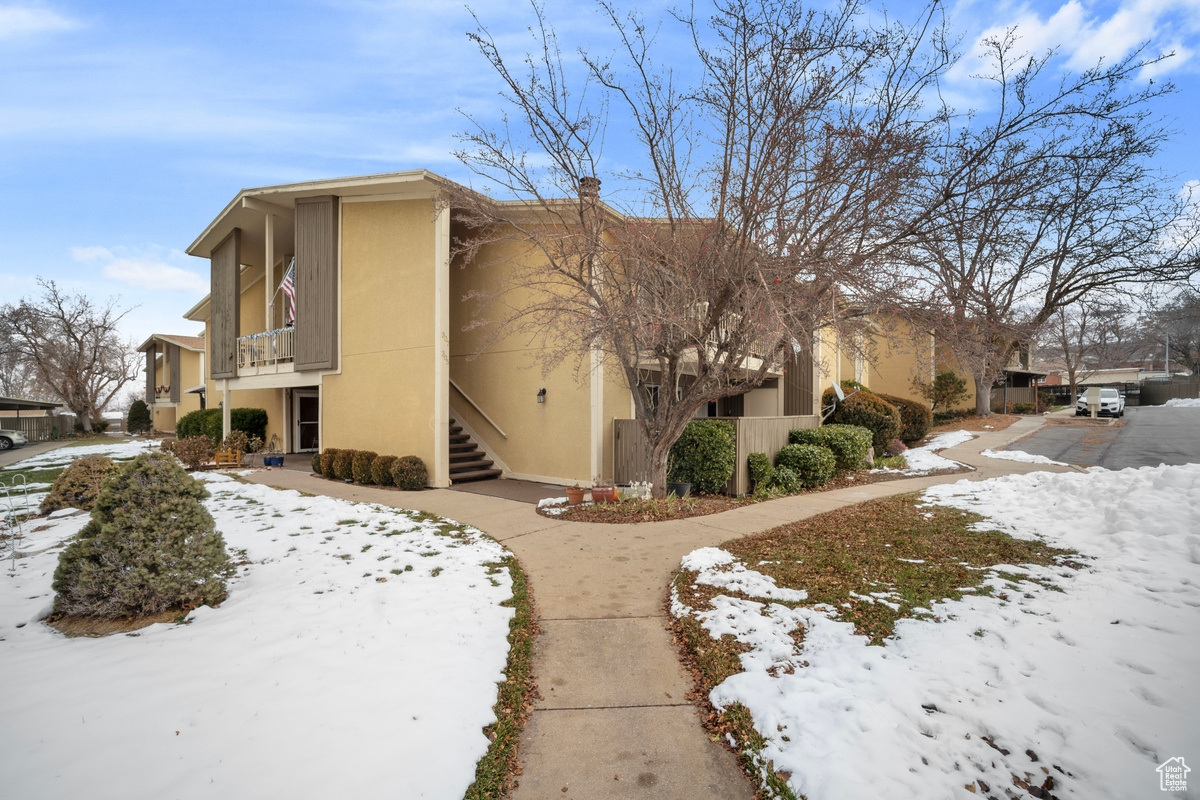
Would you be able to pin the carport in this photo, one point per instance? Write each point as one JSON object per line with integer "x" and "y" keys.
{"x": 36, "y": 424}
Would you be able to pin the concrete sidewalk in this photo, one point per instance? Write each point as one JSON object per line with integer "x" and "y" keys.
{"x": 614, "y": 721}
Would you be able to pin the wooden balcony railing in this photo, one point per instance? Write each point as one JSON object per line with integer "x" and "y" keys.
{"x": 267, "y": 348}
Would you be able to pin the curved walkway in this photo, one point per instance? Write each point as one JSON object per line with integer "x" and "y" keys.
{"x": 613, "y": 720}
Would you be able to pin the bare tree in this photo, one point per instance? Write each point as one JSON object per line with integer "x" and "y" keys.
{"x": 1179, "y": 321}
{"x": 1050, "y": 202}
{"x": 1088, "y": 337}
{"x": 774, "y": 186}
{"x": 74, "y": 347}
{"x": 18, "y": 377}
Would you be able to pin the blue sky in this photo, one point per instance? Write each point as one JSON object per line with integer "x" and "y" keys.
{"x": 125, "y": 127}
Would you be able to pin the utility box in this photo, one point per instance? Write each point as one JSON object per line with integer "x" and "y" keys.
{"x": 1093, "y": 401}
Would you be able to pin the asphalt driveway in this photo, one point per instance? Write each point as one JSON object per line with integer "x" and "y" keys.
{"x": 1151, "y": 436}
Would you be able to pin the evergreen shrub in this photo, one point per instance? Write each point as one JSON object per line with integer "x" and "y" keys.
{"x": 327, "y": 457}
{"x": 873, "y": 413}
{"x": 704, "y": 455}
{"x": 138, "y": 420}
{"x": 381, "y": 470}
{"x": 360, "y": 466}
{"x": 784, "y": 480}
{"x": 409, "y": 473}
{"x": 343, "y": 465}
{"x": 316, "y": 463}
{"x": 915, "y": 418}
{"x": 78, "y": 484}
{"x": 150, "y": 547}
{"x": 849, "y": 443}
{"x": 760, "y": 470}
{"x": 814, "y": 465}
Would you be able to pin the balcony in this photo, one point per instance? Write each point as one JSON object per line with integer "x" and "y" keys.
{"x": 267, "y": 352}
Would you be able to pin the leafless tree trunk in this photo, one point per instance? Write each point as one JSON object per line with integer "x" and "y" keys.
{"x": 75, "y": 348}
{"x": 761, "y": 196}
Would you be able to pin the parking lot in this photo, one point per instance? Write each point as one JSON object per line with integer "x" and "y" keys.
{"x": 1149, "y": 436}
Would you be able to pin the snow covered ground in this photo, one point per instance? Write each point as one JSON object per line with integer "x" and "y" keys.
{"x": 1093, "y": 686}
{"x": 1182, "y": 402}
{"x": 1022, "y": 456}
{"x": 925, "y": 459}
{"x": 357, "y": 655}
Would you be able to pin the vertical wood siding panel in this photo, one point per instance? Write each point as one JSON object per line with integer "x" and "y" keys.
{"x": 316, "y": 282}
{"x": 150, "y": 374}
{"x": 225, "y": 301}
{"x": 173, "y": 354}
{"x": 798, "y": 385}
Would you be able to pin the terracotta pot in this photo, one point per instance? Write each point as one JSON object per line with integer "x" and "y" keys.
{"x": 604, "y": 494}
{"x": 574, "y": 496}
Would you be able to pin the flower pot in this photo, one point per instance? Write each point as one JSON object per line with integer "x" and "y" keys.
{"x": 574, "y": 496}
{"x": 679, "y": 489}
{"x": 603, "y": 494}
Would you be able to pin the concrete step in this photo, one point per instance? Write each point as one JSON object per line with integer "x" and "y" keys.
{"x": 477, "y": 475}
{"x": 470, "y": 466}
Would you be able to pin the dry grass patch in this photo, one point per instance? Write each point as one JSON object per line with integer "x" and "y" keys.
{"x": 93, "y": 627}
{"x": 972, "y": 422}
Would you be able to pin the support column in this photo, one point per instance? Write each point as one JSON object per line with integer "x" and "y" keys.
{"x": 226, "y": 402}
{"x": 441, "y": 350}
{"x": 269, "y": 272}
{"x": 596, "y": 376}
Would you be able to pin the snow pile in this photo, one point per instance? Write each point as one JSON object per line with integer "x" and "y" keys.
{"x": 356, "y": 656}
{"x": 1022, "y": 456}
{"x": 717, "y": 567}
{"x": 1182, "y": 402}
{"x": 923, "y": 460}
{"x": 1092, "y": 686}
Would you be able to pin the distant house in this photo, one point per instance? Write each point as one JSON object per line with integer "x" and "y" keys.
{"x": 175, "y": 377}
{"x": 380, "y": 356}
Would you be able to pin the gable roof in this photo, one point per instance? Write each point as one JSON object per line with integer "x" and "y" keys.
{"x": 193, "y": 343}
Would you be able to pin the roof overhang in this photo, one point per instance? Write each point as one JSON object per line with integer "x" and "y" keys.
{"x": 20, "y": 404}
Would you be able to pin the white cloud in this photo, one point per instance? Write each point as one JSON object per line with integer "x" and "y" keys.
{"x": 140, "y": 270}
{"x": 21, "y": 21}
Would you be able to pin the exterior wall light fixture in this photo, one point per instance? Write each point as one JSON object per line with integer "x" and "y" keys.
{"x": 541, "y": 395}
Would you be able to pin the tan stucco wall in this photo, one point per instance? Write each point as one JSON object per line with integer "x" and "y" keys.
{"x": 383, "y": 398}
{"x": 550, "y": 439}
{"x": 900, "y": 353}
{"x": 764, "y": 401}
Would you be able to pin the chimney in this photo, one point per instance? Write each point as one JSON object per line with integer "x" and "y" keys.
{"x": 589, "y": 186}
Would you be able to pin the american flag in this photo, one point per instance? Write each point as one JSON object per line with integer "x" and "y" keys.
{"x": 288, "y": 287}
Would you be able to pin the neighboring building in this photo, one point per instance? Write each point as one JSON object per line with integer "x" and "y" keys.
{"x": 380, "y": 355}
{"x": 175, "y": 378}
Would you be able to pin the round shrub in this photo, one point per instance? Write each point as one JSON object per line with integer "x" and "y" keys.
{"x": 327, "y": 458}
{"x": 896, "y": 447}
{"x": 873, "y": 413}
{"x": 409, "y": 473}
{"x": 814, "y": 465}
{"x": 251, "y": 421}
{"x": 343, "y": 465}
{"x": 316, "y": 463}
{"x": 760, "y": 469}
{"x": 381, "y": 470}
{"x": 200, "y": 423}
{"x": 78, "y": 484}
{"x": 192, "y": 451}
{"x": 149, "y": 547}
{"x": 849, "y": 443}
{"x": 784, "y": 479}
{"x": 704, "y": 455}
{"x": 915, "y": 418}
{"x": 360, "y": 466}
{"x": 138, "y": 419}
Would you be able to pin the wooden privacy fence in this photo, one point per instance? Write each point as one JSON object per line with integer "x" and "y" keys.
{"x": 631, "y": 453}
{"x": 36, "y": 429}
{"x": 1155, "y": 393}
{"x": 1016, "y": 394}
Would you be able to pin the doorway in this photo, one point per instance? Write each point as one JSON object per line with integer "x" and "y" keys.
{"x": 306, "y": 411}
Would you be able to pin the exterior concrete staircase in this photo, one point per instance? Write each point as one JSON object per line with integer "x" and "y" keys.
{"x": 467, "y": 461}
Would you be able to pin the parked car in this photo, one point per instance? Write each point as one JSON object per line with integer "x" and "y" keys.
{"x": 1112, "y": 403}
{"x": 10, "y": 439}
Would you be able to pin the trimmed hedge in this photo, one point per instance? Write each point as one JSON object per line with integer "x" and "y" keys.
{"x": 784, "y": 479}
{"x": 915, "y": 418}
{"x": 360, "y": 466}
{"x": 316, "y": 463}
{"x": 814, "y": 465}
{"x": 849, "y": 443}
{"x": 327, "y": 457}
{"x": 343, "y": 465}
{"x": 409, "y": 473}
{"x": 251, "y": 421}
{"x": 873, "y": 413}
{"x": 381, "y": 470}
{"x": 704, "y": 455}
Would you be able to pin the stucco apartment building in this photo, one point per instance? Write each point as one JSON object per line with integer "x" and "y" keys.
{"x": 175, "y": 377}
{"x": 381, "y": 355}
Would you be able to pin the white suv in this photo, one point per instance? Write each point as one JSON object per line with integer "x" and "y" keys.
{"x": 1112, "y": 403}
{"x": 10, "y": 439}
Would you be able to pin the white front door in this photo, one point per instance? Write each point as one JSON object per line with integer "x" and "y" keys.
{"x": 306, "y": 413}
